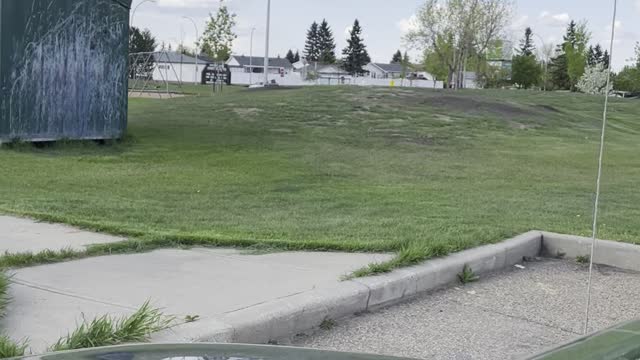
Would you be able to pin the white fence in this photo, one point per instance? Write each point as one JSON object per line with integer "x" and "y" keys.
{"x": 295, "y": 79}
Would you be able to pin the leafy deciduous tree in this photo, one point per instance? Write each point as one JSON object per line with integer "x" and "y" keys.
{"x": 457, "y": 29}
{"x": 218, "y": 37}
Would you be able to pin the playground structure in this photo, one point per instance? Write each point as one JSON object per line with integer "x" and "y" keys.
{"x": 149, "y": 74}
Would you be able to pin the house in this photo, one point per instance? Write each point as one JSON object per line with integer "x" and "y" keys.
{"x": 176, "y": 67}
{"x": 384, "y": 71}
{"x": 318, "y": 70}
{"x": 255, "y": 65}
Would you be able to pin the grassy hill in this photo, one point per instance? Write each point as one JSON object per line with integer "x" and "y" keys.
{"x": 342, "y": 168}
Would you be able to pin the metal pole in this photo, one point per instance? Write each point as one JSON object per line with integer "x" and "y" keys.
{"x": 133, "y": 13}
{"x": 546, "y": 62}
{"x": 197, "y": 50}
{"x": 251, "y": 58}
{"x": 266, "y": 47}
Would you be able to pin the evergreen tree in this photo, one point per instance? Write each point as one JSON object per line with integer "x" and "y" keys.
{"x": 290, "y": 56}
{"x": 355, "y": 54}
{"x": 526, "y": 71}
{"x": 326, "y": 44}
{"x": 605, "y": 59}
{"x": 526, "y": 45}
{"x": 559, "y": 66}
{"x": 598, "y": 55}
{"x": 397, "y": 57}
{"x": 296, "y": 57}
{"x": 311, "y": 47}
{"x": 591, "y": 56}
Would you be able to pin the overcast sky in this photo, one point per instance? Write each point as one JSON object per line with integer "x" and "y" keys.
{"x": 384, "y": 22}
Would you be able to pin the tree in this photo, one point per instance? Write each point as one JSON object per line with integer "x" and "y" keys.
{"x": 594, "y": 80}
{"x": 185, "y": 50}
{"x": 397, "y": 57}
{"x": 629, "y": 78}
{"x": 326, "y": 44}
{"x": 218, "y": 37}
{"x": 526, "y": 44}
{"x": 605, "y": 59}
{"x": 296, "y": 57}
{"x": 434, "y": 65}
{"x": 312, "y": 45}
{"x": 355, "y": 54}
{"x": 458, "y": 29}
{"x": 575, "y": 51}
{"x": 559, "y": 64}
{"x": 526, "y": 71}
{"x": 141, "y": 41}
{"x": 290, "y": 56}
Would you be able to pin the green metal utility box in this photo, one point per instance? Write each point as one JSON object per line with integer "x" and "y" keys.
{"x": 63, "y": 69}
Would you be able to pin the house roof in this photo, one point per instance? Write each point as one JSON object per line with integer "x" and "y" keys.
{"x": 259, "y": 61}
{"x": 389, "y": 68}
{"x": 177, "y": 58}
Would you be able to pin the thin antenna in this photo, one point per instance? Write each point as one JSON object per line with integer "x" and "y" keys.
{"x": 596, "y": 205}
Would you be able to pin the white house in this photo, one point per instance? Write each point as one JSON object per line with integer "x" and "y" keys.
{"x": 255, "y": 65}
{"x": 176, "y": 67}
{"x": 384, "y": 71}
{"x": 321, "y": 70}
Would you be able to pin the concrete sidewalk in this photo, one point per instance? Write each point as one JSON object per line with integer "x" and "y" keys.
{"x": 48, "y": 301}
{"x": 22, "y": 235}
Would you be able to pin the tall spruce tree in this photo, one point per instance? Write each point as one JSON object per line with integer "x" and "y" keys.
{"x": 591, "y": 56}
{"x": 526, "y": 44}
{"x": 559, "y": 67}
{"x": 326, "y": 44}
{"x": 311, "y": 47}
{"x": 355, "y": 54}
{"x": 397, "y": 57}
{"x": 296, "y": 57}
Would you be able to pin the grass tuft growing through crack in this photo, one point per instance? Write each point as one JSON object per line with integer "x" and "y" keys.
{"x": 4, "y": 292}
{"x": 10, "y": 348}
{"x": 106, "y": 331}
{"x": 410, "y": 254}
{"x": 467, "y": 275}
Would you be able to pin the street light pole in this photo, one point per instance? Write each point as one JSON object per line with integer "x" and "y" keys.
{"x": 197, "y": 50}
{"x": 266, "y": 50}
{"x": 251, "y": 57}
{"x": 546, "y": 62}
{"x": 133, "y": 13}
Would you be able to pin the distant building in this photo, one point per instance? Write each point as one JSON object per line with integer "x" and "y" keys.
{"x": 255, "y": 65}
{"x": 176, "y": 67}
{"x": 384, "y": 71}
{"x": 311, "y": 69}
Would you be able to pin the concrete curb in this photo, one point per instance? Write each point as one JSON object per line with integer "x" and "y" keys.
{"x": 610, "y": 253}
{"x": 286, "y": 317}
{"x": 296, "y": 314}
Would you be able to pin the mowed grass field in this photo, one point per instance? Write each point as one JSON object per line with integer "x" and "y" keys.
{"x": 342, "y": 168}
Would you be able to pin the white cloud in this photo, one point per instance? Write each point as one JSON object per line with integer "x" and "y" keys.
{"x": 520, "y": 23}
{"x": 558, "y": 20}
{"x": 407, "y": 24}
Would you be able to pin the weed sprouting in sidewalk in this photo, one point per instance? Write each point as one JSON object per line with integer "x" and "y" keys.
{"x": 106, "y": 331}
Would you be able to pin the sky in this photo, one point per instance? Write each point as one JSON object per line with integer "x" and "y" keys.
{"x": 384, "y": 22}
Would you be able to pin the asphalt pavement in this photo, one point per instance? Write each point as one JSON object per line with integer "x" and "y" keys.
{"x": 508, "y": 315}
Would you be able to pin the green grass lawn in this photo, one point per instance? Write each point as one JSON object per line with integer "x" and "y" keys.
{"x": 342, "y": 168}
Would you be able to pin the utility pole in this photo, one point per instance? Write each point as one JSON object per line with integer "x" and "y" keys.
{"x": 197, "y": 50}
{"x": 266, "y": 48}
{"x": 251, "y": 57}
